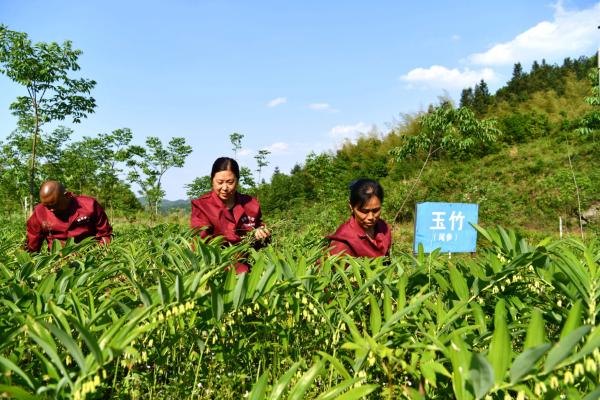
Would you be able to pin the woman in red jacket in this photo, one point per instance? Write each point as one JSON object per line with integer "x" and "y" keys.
{"x": 227, "y": 213}
{"x": 364, "y": 234}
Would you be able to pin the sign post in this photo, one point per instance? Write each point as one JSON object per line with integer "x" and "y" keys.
{"x": 446, "y": 226}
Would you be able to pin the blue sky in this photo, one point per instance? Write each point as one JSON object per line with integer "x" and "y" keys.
{"x": 293, "y": 77}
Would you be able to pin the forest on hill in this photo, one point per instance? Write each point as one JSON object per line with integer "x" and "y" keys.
{"x": 540, "y": 165}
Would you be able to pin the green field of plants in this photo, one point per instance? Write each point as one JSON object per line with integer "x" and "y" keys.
{"x": 155, "y": 316}
{"x": 160, "y": 314}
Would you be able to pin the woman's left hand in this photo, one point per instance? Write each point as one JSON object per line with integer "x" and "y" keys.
{"x": 261, "y": 233}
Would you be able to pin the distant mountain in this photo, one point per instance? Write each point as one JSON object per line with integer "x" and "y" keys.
{"x": 169, "y": 205}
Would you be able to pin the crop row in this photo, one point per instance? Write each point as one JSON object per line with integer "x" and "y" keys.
{"x": 159, "y": 315}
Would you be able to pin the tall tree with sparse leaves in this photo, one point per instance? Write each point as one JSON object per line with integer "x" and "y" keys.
{"x": 149, "y": 164}
{"x": 261, "y": 161}
{"x": 43, "y": 69}
{"x": 236, "y": 141}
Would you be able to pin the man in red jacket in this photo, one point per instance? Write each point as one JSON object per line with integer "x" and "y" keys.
{"x": 62, "y": 215}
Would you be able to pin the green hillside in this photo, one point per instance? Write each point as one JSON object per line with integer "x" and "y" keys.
{"x": 526, "y": 179}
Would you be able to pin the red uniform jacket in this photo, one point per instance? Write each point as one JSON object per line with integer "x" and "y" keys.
{"x": 84, "y": 218}
{"x": 351, "y": 239}
{"x": 209, "y": 211}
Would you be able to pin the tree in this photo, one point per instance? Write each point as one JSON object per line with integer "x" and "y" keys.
{"x": 92, "y": 164}
{"x": 15, "y": 155}
{"x": 517, "y": 73}
{"x": 13, "y": 171}
{"x": 198, "y": 187}
{"x": 481, "y": 98}
{"x": 456, "y": 133}
{"x": 323, "y": 176}
{"x": 51, "y": 151}
{"x": 148, "y": 165}
{"x": 589, "y": 124}
{"x": 261, "y": 161}
{"x": 236, "y": 141}
{"x": 466, "y": 97}
{"x": 43, "y": 69}
{"x": 113, "y": 149}
{"x": 246, "y": 179}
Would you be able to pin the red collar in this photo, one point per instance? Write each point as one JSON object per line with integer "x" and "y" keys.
{"x": 217, "y": 200}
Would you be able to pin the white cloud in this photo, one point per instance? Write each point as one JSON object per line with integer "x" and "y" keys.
{"x": 279, "y": 148}
{"x": 455, "y": 37}
{"x": 245, "y": 152}
{"x": 571, "y": 33}
{"x": 321, "y": 107}
{"x": 277, "y": 102}
{"x": 438, "y": 76}
{"x": 349, "y": 131}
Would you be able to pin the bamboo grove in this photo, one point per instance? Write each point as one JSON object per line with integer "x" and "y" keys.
{"x": 159, "y": 315}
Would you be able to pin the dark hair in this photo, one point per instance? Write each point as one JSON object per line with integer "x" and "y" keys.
{"x": 362, "y": 190}
{"x": 225, "y": 164}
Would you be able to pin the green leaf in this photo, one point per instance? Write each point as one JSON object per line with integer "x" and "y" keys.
{"x": 17, "y": 393}
{"x": 460, "y": 357}
{"x": 49, "y": 367}
{"x": 279, "y": 387}
{"x": 254, "y": 275}
{"x": 90, "y": 341}
{"x": 216, "y": 301}
{"x": 239, "y": 293}
{"x": 573, "y": 319}
{"x": 337, "y": 364}
{"x": 264, "y": 281}
{"x": 297, "y": 392}
{"x": 50, "y": 349}
{"x": 9, "y": 365}
{"x": 337, "y": 390}
{"x": 459, "y": 283}
{"x": 536, "y": 333}
{"x": 500, "y": 348}
{"x": 179, "y": 292}
{"x": 163, "y": 291}
{"x": 375, "y": 317}
{"x": 440, "y": 369}
{"x": 229, "y": 284}
{"x": 525, "y": 361}
{"x": 360, "y": 392}
{"x": 387, "y": 303}
{"x": 563, "y": 348}
{"x": 570, "y": 264}
{"x": 595, "y": 395}
{"x": 481, "y": 375}
{"x": 69, "y": 344}
{"x": 479, "y": 317}
{"x": 259, "y": 388}
{"x": 144, "y": 295}
{"x": 592, "y": 343}
{"x": 429, "y": 373}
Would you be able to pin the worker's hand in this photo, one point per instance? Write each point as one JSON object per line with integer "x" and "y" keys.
{"x": 261, "y": 233}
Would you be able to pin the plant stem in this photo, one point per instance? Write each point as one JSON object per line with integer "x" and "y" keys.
{"x": 417, "y": 179}
{"x": 578, "y": 198}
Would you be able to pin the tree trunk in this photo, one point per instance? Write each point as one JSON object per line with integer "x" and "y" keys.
{"x": 32, "y": 169}
{"x": 417, "y": 179}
